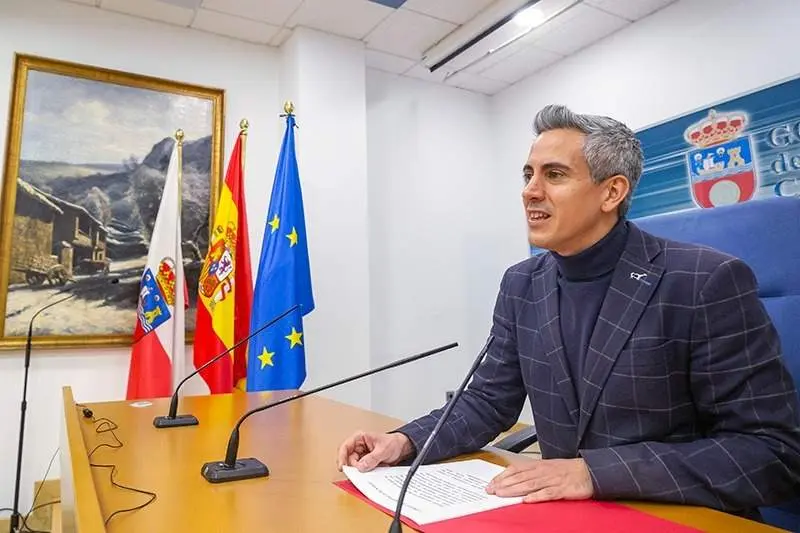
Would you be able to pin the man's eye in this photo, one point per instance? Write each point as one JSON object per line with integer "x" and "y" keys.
{"x": 527, "y": 177}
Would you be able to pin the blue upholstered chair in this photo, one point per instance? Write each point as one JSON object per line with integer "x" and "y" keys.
{"x": 766, "y": 235}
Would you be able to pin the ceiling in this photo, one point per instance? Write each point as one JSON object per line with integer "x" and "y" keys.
{"x": 397, "y": 38}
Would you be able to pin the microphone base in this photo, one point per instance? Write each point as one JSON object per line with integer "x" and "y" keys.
{"x": 219, "y": 472}
{"x": 177, "y": 421}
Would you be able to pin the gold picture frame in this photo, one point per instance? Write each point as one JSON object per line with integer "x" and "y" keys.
{"x": 86, "y": 155}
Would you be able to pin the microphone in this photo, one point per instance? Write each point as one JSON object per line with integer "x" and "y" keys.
{"x": 15, "y": 516}
{"x": 396, "y": 526}
{"x": 233, "y": 469}
{"x": 172, "y": 419}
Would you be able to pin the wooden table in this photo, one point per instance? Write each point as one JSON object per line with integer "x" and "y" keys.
{"x": 297, "y": 441}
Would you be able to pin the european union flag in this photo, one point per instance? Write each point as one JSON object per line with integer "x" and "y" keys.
{"x": 276, "y": 356}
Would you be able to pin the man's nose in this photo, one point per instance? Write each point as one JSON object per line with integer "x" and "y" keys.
{"x": 532, "y": 190}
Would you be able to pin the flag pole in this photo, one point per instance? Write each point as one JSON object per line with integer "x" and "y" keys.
{"x": 179, "y": 138}
{"x": 244, "y": 125}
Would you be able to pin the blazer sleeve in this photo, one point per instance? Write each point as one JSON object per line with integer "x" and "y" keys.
{"x": 493, "y": 400}
{"x": 746, "y": 400}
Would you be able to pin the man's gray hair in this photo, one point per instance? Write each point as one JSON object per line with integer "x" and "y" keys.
{"x": 610, "y": 149}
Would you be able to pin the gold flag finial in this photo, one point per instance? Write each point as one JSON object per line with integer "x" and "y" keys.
{"x": 288, "y": 107}
{"x": 179, "y": 136}
{"x": 244, "y": 125}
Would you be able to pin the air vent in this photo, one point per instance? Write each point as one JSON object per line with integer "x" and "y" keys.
{"x": 188, "y": 4}
{"x": 390, "y": 3}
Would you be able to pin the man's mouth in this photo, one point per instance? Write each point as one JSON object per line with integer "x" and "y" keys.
{"x": 537, "y": 216}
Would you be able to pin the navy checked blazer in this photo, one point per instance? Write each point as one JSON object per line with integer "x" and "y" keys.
{"x": 685, "y": 397}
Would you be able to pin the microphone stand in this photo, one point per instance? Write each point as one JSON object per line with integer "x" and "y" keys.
{"x": 396, "y": 526}
{"x": 232, "y": 469}
{"x": 172, "y": 419}
{"x": 15, "y": 516}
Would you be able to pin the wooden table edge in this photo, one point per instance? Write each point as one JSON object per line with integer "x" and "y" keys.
{"x": 80, "y": 503}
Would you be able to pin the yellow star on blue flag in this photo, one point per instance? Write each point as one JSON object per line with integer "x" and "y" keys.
{"x": 266, "y": 358}
{"x": 295, "y": 338}
{"x": 283, "y": 280}
{"x": 275, "y": 223}
{"x": 292, "y": 237}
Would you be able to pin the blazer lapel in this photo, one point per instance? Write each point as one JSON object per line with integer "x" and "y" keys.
{"x": 545, "y": 286}
{"x": 632, "y": 285}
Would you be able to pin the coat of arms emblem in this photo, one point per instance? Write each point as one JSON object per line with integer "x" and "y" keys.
{"x": 216, "y": 277}
{"x": 721, "y": 168}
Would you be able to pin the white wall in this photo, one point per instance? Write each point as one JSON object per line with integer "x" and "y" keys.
{"x": 86, "y": 35}
{"x": 442, "y": 230}
{"x": 663, "y": 66}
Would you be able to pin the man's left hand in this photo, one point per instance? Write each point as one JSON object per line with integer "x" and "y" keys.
{"x": 544, "y": 480}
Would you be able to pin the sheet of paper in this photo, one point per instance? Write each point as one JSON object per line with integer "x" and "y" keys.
{"x": 436, "y": 492}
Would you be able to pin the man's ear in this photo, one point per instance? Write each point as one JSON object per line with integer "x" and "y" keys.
{"x": 616, "y": 189}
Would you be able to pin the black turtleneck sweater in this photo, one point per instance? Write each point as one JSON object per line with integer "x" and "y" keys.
{"x": 583, "y": 281}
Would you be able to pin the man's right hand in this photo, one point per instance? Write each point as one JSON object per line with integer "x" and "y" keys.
{"x": 366, "y": 451}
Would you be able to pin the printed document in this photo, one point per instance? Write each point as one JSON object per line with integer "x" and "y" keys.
{"x": 436, "y": 492}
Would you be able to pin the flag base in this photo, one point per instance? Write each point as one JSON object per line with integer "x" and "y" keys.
{"x": 176, "y": 421}
{"x": 219, "y": 472}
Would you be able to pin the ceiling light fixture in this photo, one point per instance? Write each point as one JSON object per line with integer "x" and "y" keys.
{"x": 452, "y": 46}
{"x": 529, "y": 18}
{"x": 504, "y": 24}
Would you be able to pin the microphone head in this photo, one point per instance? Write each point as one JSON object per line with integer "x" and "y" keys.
{"x": 93, "y": 283}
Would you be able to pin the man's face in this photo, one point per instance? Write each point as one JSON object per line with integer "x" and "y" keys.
{"x": 566, "y": 211}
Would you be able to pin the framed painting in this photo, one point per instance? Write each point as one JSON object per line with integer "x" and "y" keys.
{"x": 86, "y": 159}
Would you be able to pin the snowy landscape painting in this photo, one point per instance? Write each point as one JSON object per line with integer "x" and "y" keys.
{"x": 87, "y": 158}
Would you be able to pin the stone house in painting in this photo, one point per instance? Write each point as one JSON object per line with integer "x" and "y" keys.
{"x": 32, "y": 241}
{"x": 49, "y": 231}
{"x": 84, "y": 233}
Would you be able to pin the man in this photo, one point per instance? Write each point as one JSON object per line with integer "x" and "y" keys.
{"x": 652, "y": 368}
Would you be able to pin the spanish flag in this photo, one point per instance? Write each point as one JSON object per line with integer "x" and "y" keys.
{"x": 225, "y": 287}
